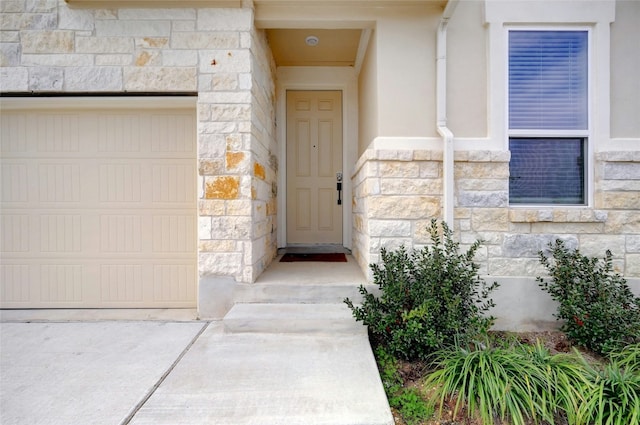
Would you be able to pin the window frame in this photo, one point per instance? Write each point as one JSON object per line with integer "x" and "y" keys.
{"x": 585, "y": 134}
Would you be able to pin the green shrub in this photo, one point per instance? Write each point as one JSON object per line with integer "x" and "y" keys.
{"x": 411, "y": 406}
{"x": 613, "y": 398}
{"x": 408, "y": 402}
{"x": 429, "y": 298}
{"x": 598, "y": 309}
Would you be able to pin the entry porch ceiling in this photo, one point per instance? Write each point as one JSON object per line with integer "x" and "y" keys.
{"x": 337, "y": 47}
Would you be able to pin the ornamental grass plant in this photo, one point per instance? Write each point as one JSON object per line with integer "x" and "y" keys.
{"x": 510, "y": 383}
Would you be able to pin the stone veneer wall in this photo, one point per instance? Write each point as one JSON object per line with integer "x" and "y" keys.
{"x": 396, "y": 193}
{"x": 46, "y": 46}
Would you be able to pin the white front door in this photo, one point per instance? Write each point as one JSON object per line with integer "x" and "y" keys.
{"x": 314, "y": 160}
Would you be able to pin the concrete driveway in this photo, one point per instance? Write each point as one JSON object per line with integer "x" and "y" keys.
{"x": 184, "y": 372}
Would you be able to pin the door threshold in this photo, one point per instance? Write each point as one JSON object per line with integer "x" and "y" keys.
{"x": 314, "y": 249}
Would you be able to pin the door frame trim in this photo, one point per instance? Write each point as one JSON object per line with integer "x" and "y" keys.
{"x": 343, "y": 79}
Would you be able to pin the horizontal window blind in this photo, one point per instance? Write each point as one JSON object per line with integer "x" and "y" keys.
{"x": 548, "y": 80}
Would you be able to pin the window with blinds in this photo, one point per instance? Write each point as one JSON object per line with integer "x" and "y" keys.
{"x": 548, "y": 116}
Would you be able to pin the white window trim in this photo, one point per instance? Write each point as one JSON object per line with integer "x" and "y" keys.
{"x": 597, "y": 15}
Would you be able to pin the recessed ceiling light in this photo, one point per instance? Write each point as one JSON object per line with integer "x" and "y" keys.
{"x": 312, "y": 40}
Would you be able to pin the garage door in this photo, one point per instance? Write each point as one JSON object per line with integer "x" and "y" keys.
{"x": 98, "y": 204}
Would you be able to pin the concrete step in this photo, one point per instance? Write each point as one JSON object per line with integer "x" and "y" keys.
{"x": 284, "y": 293}
{"x": 316, "y": 319}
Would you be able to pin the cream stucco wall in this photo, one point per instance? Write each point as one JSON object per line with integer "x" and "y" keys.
{"x": 625, "y": 71}
{"x": 467, "y": 71}
{"x": 406, "y": 72}
{"x": 368, "y": 97}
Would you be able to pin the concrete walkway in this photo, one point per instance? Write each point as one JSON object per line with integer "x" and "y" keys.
{"x": 191, "y": 372}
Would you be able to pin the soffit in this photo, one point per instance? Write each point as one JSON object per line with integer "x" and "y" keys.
{"x": 335, "y": 47}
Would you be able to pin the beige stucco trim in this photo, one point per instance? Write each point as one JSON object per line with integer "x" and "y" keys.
{"x": 319, "y": 78}
{"x": 98, "y": 102}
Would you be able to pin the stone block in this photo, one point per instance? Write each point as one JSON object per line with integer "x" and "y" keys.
{"x": 151, "y": 43}
{"x": 231, "y": 227}
{"x": 217, "y": 245}
{"x": 178, "y": 58}
{"x": 258, "y": 170}
{"x": 9, "y": 54}
{"x": 482, "y": 184}
{"x": 622, "y": 171}
{"x": 422, "y": 155}
{"x": 14, "y": 79}
{"x": 632, "y": 243}
{"x": 154, "y": 14}
{"x": 225, "y": 19}
{"x": 620, "y": 185}
{"x": 483, "y": 199}
{"x": 160, "y": 79}
{"x": 528, "y": 245}
{"x": 392, "y": 244}
{"x": 479, "y": 156}
{"x": 212, "y": 146}
{"x": 410, "y": 187}
{"x": 225, "y": 97}
{"x": 238, "y": 207}
{"x": 28, "y": 21}
{"x": 515, "y": 267}
{"x": 147, "y": 58}
{"x": 492, "y": 219}
{"x": 430, "y": 170}
{"x": 205, "y": 40}
{"x": 220, "y": 128}
{"x": 632, "y": 268}
{"x": 399, "y": 169}
{"x": 389, "y": 228}
{"x": 224, "y": 61}
{"x": 403, "y": 207}
{"x": 211, "y": 167}
{"x": 9, "y": 36}
{"x": 622, "y": 200}
{"x": 596, "y": 245}
{"x": 204, "y": 228}
{"x": 114, "y": 60}
{"x": 223, "y": 263}
{"x": 222, "y": 187}
{"x": 183, "y": 26}
{"x": 75, "y": 19}
{"x": 47, "y": 41}
{"x": 93, "y": 79}
{"x": 12, "y": 6}
{"x": 41, "y": 6}
{"x": 567, "y": 228}
{"x": 481, "y": 170}
{"x": 211, "y": 207}
{"x": 625, "y": 222}
{"x": 231, "y": 112}
{"x": 133, "y": 28}
{"x": 68, "y": 60}
{"x": 46, "y": 79}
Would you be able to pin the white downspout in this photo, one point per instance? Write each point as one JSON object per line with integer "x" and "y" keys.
{"x": 441, "y": 113}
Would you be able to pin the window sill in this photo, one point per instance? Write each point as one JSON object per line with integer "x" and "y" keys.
{"x": 564, "y": 214}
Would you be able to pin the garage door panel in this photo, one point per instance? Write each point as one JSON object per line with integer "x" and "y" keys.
{"x": 98, "y": 209}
